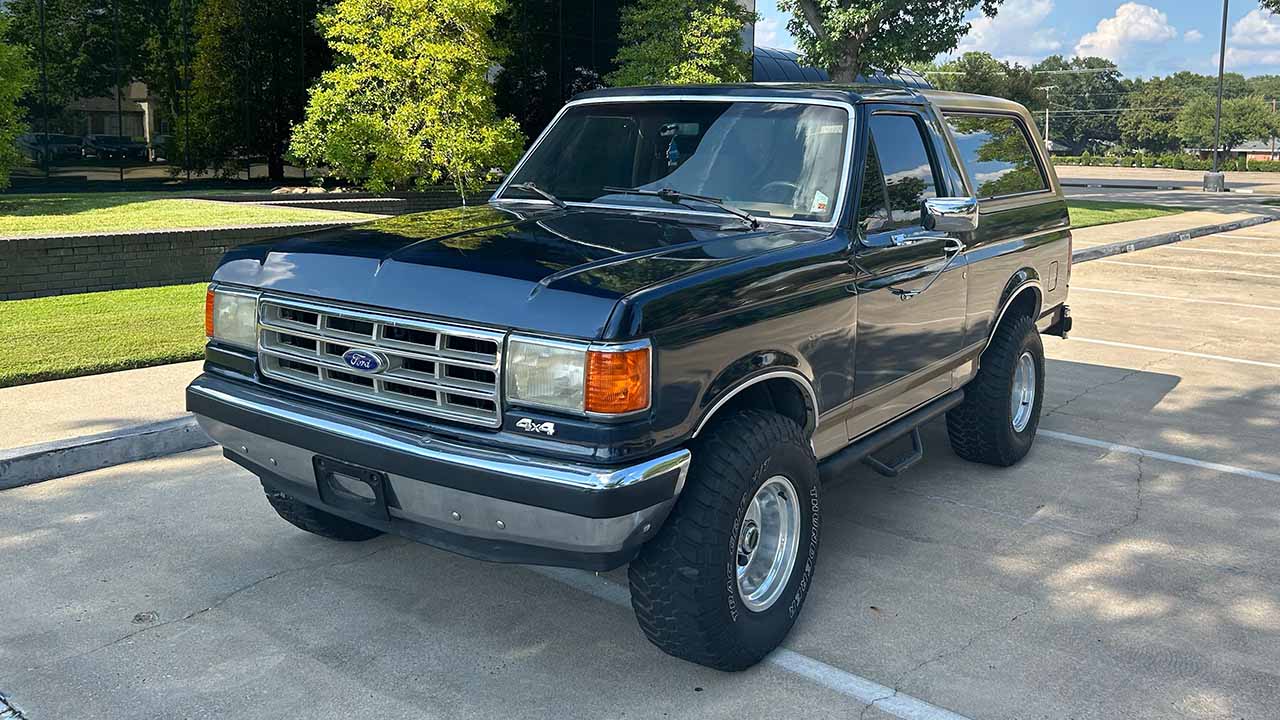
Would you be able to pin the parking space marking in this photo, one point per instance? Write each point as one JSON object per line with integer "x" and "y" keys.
{"x": 865, "y": 691}
{"x": 1168, "y": 351}
{"x": 1077, "y": 288}
{"x": 1187, "y": 269}
{"x": 1213, "y": 250}
{"x": 1156, "y": 455}
{"x": 1250, "y": 237}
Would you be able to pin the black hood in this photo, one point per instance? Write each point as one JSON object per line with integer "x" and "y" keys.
{"x": 553, "y": 271}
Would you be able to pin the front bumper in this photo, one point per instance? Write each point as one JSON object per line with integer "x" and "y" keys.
{"x": 476, "y": 501}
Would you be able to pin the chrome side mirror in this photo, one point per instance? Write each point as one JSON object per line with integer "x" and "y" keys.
{"x": 950, "y": 214}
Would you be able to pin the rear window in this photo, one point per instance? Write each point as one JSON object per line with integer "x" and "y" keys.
{"x": 996, "y": 150}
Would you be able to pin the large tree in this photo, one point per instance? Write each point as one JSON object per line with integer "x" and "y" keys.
{"x": 249, "y": 75}
{"x": 409, "y": 101}
{"x": 849, "y": 37}
{"x": 982, "y": 74}
{"x": 677, "y": 42}
{"x": 1242, "y": 119}
{"x": 16, "y": 76}
{"x": 1150, "y": 119}
{"x": 1085, "y": 93}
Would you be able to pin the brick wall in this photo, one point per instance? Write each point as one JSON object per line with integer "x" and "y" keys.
{"x": 36, "y": 267}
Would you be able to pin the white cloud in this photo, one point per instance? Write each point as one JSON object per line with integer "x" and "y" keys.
{"x": 1020, "y": 33}
{"x": 1254, "y": 41}
{"x": 772, "y": 33}
{"x": 1123, "y": 34}
{"x": 1193, "y": 36}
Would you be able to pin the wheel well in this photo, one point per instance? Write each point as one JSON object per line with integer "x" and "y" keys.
{"x": 778, "y": 394}
{"x": 1025, "y": 302}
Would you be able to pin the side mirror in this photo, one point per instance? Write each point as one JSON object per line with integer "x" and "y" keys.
{"x": 950, "y": 215}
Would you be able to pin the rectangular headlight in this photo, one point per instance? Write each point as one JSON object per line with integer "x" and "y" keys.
{"x": 577, "y": 377}
{"x": 231, "y": 317}
{"x": 546, "y": 373}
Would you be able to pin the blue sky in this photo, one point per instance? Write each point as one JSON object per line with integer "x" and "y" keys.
{"x": 1144, "y": 37}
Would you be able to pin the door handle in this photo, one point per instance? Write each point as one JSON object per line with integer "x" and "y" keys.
{"x": 953, "y": 249}
{"x": 905, "y": 240}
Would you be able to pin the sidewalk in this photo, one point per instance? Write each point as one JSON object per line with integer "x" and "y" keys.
{"x": 1259, "y": 182}
{"x": 1120, "y": 232}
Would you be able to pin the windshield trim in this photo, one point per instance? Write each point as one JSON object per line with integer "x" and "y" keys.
{"x": 836, "y": 214}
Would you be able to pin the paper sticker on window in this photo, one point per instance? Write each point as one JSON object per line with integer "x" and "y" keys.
{"x": 831, "y": 130}
{"x": 819, "y": 202}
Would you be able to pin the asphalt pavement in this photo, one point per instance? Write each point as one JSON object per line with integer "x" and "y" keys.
{"x": 1125, "y": 569}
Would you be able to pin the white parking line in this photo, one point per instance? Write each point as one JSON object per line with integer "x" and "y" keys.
{"x": 1168, "y": 351}
{"x": 1180, "y": 459}
{"x": 1246, "y": 236}
{"x": 833, "y": 678}
{"x": 1188, "y": 269}
{"x": 1077, "y": 288}
{"x": 1213, "y": 250}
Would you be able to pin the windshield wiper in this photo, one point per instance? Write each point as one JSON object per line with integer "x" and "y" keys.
{"x": 681, "y": 198}
{"x": 530, "y": 187}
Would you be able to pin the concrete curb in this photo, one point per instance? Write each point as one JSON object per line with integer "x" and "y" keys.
{"x": 1126, "y": 186}
{"x": 1128, "y": 246}
{"x": 46, "y": 461}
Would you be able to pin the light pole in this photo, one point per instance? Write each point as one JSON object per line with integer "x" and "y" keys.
{"x": 1214, "y": 181}
{"x": 1047, "y": 104}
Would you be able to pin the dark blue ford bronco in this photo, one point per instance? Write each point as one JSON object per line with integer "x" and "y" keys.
{"x": 682, "y": 307}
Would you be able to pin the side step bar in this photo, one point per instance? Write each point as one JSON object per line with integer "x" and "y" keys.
{"x": 862, "y": 448}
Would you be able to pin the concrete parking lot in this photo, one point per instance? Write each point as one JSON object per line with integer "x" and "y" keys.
{"x": 1126, "y": 569}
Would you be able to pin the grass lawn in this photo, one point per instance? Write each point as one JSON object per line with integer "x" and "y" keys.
{"x": 1087, "y": 213}
{"x": 70, "y": 335}
{"x": 105, "y": 212}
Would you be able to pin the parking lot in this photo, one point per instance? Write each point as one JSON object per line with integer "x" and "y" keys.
{"x": 1126, "y": 569}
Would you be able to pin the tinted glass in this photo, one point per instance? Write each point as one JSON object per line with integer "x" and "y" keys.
{"x": 996, "y": 152}
{"x": 904, "y": 159}
{"x": 779, "y": 160}
{"x": 873, "y": 213}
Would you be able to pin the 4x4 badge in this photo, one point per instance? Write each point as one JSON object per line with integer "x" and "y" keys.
{"x": 545, "y": 428}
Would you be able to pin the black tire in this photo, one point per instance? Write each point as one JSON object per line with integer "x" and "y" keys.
{"x": 318, "y": 522}
{"x": 684, "y": 586}
{"x": 981, "y": 428}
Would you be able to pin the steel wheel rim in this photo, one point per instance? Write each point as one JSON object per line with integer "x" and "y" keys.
{"x": 1023, "y": 398}
{"x": 767, "y": 543}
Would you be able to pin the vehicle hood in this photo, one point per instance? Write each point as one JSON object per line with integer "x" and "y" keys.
{"x": 553, "y": 271}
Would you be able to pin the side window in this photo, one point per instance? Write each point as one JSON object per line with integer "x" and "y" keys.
{"x": 996, "y": 151}
{"x": 873, "y": 212}
{"x": 908, "y": 170}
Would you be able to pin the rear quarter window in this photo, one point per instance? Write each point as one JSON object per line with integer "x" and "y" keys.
{"x": 996, "y": 150}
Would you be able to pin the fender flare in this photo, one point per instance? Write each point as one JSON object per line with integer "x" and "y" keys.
{"x": 1023, "y": 281}
{"x": 789, "y": 373}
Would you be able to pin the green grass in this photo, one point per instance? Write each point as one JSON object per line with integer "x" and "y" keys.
{"x": 1088, "y": 213}
{"x": 24, "y": 215}
{"x": 70, "y": 335}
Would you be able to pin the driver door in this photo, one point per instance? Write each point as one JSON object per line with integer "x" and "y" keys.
{"x": 910, "y": 281}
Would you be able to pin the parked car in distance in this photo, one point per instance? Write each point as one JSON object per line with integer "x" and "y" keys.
{"x": 38, "y": 146}
{"x": 113, "y": 147}
{"x": 681, "y": 309}
{"x": 159, "y": 150}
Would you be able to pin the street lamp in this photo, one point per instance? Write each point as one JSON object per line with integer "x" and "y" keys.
{"x": 1215, "y": 181}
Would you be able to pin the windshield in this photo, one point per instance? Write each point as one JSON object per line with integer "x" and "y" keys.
{"x": 774, "y": 160}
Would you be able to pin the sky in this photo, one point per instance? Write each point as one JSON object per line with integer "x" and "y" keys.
{"x": 1151, "y": 37}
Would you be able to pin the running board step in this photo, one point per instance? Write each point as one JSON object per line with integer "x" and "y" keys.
{"x": 843, "y": 462}
{"x": 901, "y": 465}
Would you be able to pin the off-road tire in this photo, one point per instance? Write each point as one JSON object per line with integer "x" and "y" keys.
{"x": 318, "y": 522}
{"x": 981, "y": 428}
{"x": 684, "y": 587}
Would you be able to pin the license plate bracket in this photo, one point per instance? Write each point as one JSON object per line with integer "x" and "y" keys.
{"x": 351, "y": 488}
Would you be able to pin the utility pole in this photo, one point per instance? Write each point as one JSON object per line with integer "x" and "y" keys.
{"x": 44, "y": 88}
{"x": 1047, "y": 103}
{"x": 1214, "y": 181}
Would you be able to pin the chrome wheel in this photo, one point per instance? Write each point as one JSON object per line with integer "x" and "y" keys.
{"x": 1022, "y": 400}
{"x": 767, "y": 543}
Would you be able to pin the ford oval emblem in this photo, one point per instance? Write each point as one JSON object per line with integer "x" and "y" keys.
{"x": 363, "y": 361}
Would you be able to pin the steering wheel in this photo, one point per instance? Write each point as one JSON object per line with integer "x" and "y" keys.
{"x": 793, "y": 187}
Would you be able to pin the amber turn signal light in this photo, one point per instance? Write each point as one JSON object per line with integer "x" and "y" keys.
{"x": 208, "y": 313}
{"x": 617, "y": 382}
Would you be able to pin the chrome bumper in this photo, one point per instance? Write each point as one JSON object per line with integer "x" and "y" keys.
{"x": 472, "y": 500}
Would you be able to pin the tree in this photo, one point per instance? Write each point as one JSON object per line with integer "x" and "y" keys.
{"x": 409, "y": 101}
{"x": 1086, "y": 91}
{"x": 1150, "y": 120}
{"x": 248, "y": 82}
{"x": 16, "y": 77}
{"x": 982, "y": 74}
{"x": 680, "y": 42}
{"x": 850, "y": 37}
{"x": 1242, "y": 119}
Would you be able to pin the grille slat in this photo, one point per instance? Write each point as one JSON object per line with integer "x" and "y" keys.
{"x": 431, "y": 368}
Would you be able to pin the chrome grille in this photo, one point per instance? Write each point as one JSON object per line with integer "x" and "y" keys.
{"x": 430, "y": 368}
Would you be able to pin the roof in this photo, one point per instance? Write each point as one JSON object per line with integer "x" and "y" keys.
{"x": 851, "y": 94}
{"x": 777, "y": 65}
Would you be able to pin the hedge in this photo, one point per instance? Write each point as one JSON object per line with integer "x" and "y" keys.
{"x": 1174, "y": 161}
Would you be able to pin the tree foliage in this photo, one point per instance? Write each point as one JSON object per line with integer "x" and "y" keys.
{"x": 680, "y": 42}
{"x": 1081, "y": 102}
{"x": 1242, "y": 119}
{"x": 982, "y": 74}
{"x": 408, "y": 102}
{"x": 16, "y": 77}
{"x": 849, "y": 37}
